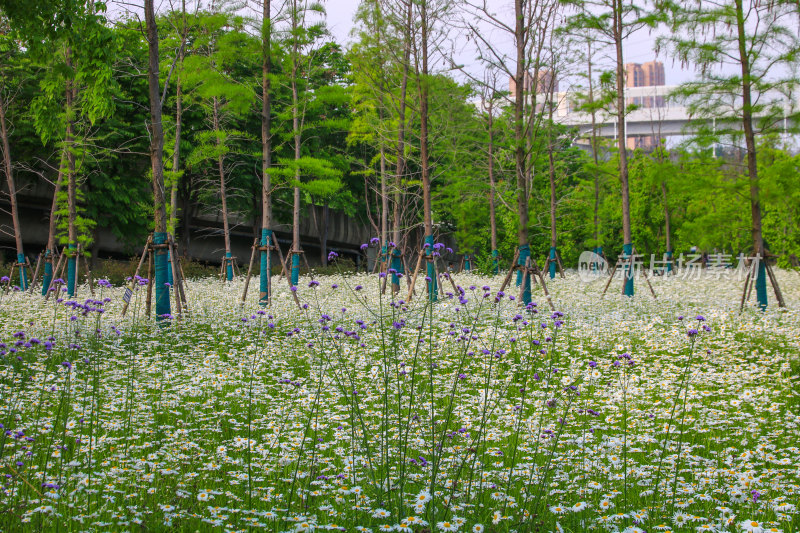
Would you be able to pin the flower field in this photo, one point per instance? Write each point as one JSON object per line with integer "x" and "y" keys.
{"x": 360, "y": 412}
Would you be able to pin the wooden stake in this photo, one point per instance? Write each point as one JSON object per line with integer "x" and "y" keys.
{"x": 511, "y": 270}
{"x": 406, "y": 275}
{"x": 414, "y": 278}
{"x": 611, "y": 277}
{"x": 145, "y": 253}
{"x": 544, "y": 285}
{"x": 149, "y": 300}
{"x": 774, "y": 281}
{"x": 249, "y": 272}
{"x": 59, "y": 266}
{"x": 744, "y": 291}
{"x": 308, "y": 268}
{"x": 184, "y": 288}
{"x": 280, "y": 255}
{"x": 32, "y": 286}
{"x": 177, "y": 282}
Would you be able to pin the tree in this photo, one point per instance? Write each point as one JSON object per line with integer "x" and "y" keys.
{"x": 266, "y": 150}
{"x": 160, "y": 236}
{"x": 533, "y": 21}
{"x": 489, "y": 102}
{"x": 613, "y": 21}
{"x": 81, "y": 71}
{"x": 9, "y": 58}
{"x": 213, "y": 77}
{"x": 760, "y": 41}
{"x": 322, "y": 179}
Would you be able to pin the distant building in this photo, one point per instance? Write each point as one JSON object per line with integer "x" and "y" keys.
{"x": 544, "y": 83}
{"x": 648, "y": 74}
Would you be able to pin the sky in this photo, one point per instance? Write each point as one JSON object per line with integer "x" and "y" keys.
{"x": 638, "y": 49}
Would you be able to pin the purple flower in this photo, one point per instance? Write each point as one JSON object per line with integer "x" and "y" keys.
{"x": 364, "y": 246}
{"x": 332, "y": 256}
{"x": 374, "y": 240}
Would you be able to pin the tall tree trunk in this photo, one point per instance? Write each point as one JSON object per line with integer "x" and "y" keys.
{"x": 397, "y": 261}
{"x": 667, "y": 229}
{"x": 266, "y": 153}
{"x": 427, "y": 210}
{"x": 12, "y": 194}
{"x": 553, "y": 231}
{"x": 519, "y": 150}
{"x": 752, "y": 166}
{"x": 627, "y": 286}
{"x": 492, "y": 191}
{"x": 176, "y": 155}
{"x": 226, "y": 230}
{"x": 295, "y": 253}
{"x": 72, "y": 229}
{"x": 382, "y": 150}
{"x": 598, "y": 248}
{"x": 51, "y": 250}
{"x": 157, "y": 164}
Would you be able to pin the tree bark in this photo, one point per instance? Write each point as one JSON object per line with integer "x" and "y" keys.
{"x": 627, "y": 285}
{"x": 519, "y": 130}
{"x": 222, "y": 188}
{"x": 752, "y": 165}
{"x": 594, "y": 155}
{"x": 492, "y": 184}
{"x": 157, "y": 164}
{"x": 12, "y": 191}
{"x": 295, "y": 274}
{"x": 423, "y": 128}
{"x": 266, "y": 150}
{"x": 749, "y": 134}
{"x": 397, "y": 262}
{"x": 72, "y": 214}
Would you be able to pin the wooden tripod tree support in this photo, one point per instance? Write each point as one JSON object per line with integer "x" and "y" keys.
{"x": 56, "y": 271}
{"x": 435, "y": 260}
{"x": 532, "y": 268}
{"x": 178, "y": 278}
{"x": 268, "y": 248}
{"x": 61, "y": 265}
{"x": 628, "y": 263}
{"x": 287, "y": 266}
{"x": 34, "y": 281}
{"x": 250, "y": 268}
{"x": 17, "y": 265}
{"x": 234, "y": 266}
{"x": 750, "y": 281}
{"x": 558, "y": 262}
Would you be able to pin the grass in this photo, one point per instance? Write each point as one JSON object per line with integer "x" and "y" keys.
{"x": 363, "y": 412}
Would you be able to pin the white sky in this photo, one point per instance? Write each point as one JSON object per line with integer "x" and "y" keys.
{"x": 638, "y": 49}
